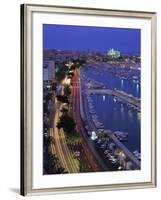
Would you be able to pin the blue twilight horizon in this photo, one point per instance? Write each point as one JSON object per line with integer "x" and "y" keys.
{"x": 85, "y": 38}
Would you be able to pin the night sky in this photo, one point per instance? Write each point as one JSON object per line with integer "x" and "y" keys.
{"x": 83, "y": 38}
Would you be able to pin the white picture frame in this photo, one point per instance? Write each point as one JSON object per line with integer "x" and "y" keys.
{"x": 33, "y": 182}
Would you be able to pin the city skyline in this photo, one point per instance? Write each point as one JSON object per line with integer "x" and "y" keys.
{"x": 66, "y": 37}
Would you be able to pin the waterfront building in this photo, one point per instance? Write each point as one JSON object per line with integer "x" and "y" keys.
{"x": 48, "y": 70}
{"x": 113, "y": 53}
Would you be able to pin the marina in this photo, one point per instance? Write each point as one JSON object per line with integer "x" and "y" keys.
{"x": 118, "y": 101}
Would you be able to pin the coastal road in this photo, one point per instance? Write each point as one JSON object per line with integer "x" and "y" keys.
{"x": 79, "y": 124}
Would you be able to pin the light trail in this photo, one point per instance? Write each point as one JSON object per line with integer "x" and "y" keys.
{"x": 64, "y": 154}
{"x": 79, "y": 124}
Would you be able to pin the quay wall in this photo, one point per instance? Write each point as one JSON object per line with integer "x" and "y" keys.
{"x": 81, "y": 100}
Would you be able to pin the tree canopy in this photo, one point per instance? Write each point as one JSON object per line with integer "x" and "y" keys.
{"x": 67, "y": 123}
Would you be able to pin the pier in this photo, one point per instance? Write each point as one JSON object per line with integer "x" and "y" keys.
{"x": 128, "y": 154}
{"x": 124, "y": 97}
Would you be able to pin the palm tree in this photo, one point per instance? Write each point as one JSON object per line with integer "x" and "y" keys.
{"x": 65, "y": 108}
{"x": 67, "y": 90}
{"x": 67, "y": 123}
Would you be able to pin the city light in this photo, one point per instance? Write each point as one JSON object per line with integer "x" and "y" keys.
{"x": 113, "y": 53}
{"x": 93, "y": 135}
{"x": 104, "y": 97}
{"x": 91, "y": 109}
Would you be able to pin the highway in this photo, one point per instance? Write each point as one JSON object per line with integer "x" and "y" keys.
{"x": 79, "y": 124}
{"x": 63, "y": 152}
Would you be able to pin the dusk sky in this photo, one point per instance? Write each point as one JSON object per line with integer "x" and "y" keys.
{"x": 83, "y": 38}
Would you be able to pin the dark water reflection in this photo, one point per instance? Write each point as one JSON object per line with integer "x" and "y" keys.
{"x": 111, "y": 81}
{"x": 117, "y": 116}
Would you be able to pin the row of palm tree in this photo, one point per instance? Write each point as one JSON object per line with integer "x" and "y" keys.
{"x": 66, "y": 121}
